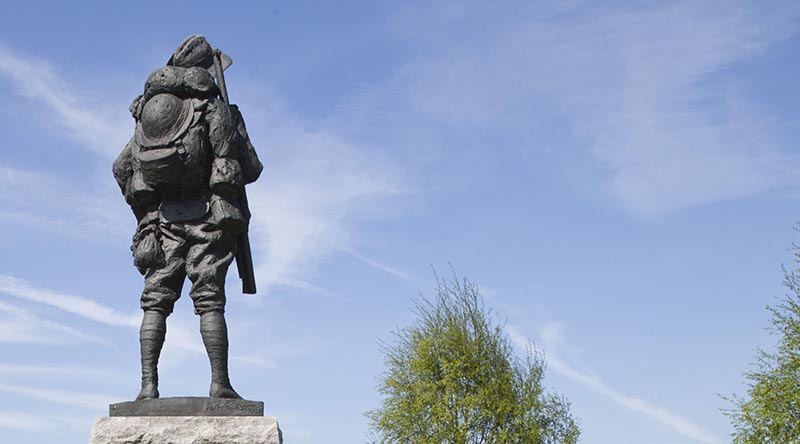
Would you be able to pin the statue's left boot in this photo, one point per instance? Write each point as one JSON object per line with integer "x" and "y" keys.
{"x": 215, "y": 337}
{"x": 151, "y": 339}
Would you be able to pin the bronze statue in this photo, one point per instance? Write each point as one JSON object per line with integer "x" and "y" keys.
{"x": 183, "y": 173}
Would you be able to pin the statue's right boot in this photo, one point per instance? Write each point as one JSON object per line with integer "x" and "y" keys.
{"x": 214, "y": 331}
{"x": 151, "y": 339}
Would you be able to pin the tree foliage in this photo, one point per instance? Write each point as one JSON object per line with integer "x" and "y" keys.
{"x": 453, "y": 378}
{"x": 770, "y": 412}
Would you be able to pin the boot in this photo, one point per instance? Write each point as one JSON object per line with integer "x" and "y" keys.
{"x": 215, "y": 337}
{"x": 151, "y": 339}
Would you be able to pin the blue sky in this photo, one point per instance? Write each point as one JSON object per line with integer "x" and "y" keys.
{"x": 619, "y": 178}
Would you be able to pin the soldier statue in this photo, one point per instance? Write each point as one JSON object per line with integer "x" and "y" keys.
{"x": 183, "y": 174}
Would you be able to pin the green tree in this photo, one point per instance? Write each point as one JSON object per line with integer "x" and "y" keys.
{"x": 770, "y": 412}
{"x": 453, "y": 378}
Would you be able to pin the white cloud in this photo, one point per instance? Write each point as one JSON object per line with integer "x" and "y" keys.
{"x": 103, "y": 131}
{"x": 315, "y": 187}
{"x": 20, "y": 326}
{"x": 639, "y": 85}
{"x": 254, "y": 360}
{"x": 77, "y": 305}
{"x": 383, "y": 267}
{"x": 93, "y": 401}
{"x": 36, "y": 423}
{"x": 182, "y": 333}
{"x": 45, "y": 370}
{"x": 552, "y": 334}
{"x": 35, "y": 200}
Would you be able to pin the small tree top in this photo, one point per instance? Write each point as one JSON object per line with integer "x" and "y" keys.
{"x": 453, "y": 377}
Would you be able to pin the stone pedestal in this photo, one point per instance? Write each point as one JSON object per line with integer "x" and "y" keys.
{"x": 186, "y": 430}
{"x": 186, "y": 421}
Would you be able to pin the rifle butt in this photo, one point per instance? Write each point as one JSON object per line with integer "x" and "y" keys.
{"x": 244, "y": 262}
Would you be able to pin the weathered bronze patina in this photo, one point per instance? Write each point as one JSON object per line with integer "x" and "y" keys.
{"x": 183, "y": 173}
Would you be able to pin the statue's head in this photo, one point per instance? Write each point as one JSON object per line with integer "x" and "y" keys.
{"x": 193, "y": 51}
{"x": 196, "y": 51}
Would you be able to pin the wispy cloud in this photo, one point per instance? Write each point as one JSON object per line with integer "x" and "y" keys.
{"x": 93, "y": 401}
{"x": 103, "y": 131}
{"x": 254, "y": 360}
{"x": 34, "y": 200}
{"x": 51, "y": 370}
{"x": 22, "y": 421}
{"x": 552, "y": 336}
{"x": 182, "y": 333}
{"x": 316, "y": 187}
{"x": 38, "y": 423}
{"x": 20, "y": 326}
{"x": 40, "y": 201}
{"x": 638, "y": 85}
{"x": 383, "y": 267}
{"x": 77, "y": 305}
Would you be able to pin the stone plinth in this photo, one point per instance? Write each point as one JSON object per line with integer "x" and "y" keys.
{"x": 186, "y": 421}
{"x": 186, "y": 430}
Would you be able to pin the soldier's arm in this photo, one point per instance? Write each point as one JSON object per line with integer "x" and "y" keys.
{"x": 122, "y": 168}
{"x": 251, "y": 166}
{"x": 226, "y": 170}
{"x": 139, "y": 196}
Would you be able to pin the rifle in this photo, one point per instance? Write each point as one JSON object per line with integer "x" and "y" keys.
{"x": 244, "y": 257}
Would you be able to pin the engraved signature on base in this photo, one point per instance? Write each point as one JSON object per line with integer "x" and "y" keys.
{"x": 230, "y": 407}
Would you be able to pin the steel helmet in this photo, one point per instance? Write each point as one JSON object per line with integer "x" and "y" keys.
{"x": 165, "y": 118}
{"x": 193, "y": 51}
{"x": 196, "y": 51}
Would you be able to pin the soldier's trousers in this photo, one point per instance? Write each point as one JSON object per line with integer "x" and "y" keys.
{"x": 198, "y": 250}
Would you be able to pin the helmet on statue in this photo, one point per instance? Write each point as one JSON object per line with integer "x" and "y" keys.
{"x": 165, "y": 117}
{"x": 196, "y": 51}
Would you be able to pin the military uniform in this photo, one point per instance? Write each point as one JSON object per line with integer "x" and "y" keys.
{"x": 183, "y": 174}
